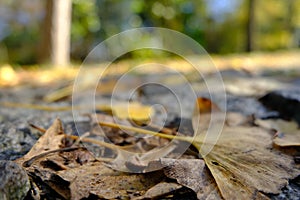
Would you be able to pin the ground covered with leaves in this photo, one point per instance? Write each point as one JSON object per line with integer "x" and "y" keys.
{"x": 256, "y": 156}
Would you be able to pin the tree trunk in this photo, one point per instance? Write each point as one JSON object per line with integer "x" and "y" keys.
{"x": 250, "y": 25}
{"x": 55, "y": 45}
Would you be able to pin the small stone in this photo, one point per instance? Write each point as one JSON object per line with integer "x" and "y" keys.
{"x": 286, "y": 102}
{"x": 14, "y": 181}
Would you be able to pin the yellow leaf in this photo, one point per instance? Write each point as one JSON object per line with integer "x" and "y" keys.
{"x": 133, "y": 110}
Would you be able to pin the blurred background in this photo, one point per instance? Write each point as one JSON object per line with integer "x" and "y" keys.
{"x": 62, "y": 31}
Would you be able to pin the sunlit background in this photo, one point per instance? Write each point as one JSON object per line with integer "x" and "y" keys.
{"x": 220, "y": 26}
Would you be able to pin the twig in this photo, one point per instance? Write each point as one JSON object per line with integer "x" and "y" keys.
{"x": 38, "y": 128}
{"x": 165, "y": 130}
{"x": 29, "y": 162}
{"x": 147, "y": 132}
{"x": 98, "y": 142}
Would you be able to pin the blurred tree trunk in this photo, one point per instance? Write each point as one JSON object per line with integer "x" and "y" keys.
{"x": 55, "y": 44}
{"x": 250, "y": 26}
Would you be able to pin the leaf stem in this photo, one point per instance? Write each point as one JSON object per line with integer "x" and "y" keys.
{"x": 29, "y": 162}
{"x": 147, "y": 132}
{"x": 98, "y": 142}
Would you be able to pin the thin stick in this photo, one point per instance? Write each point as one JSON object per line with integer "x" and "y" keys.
{"x": 29, "y": 162}
{"x": 164, "y": 129}
{"x": 98, "y": 142}
{"x": 38, "y": 128}
{"x": 147, "y": 132}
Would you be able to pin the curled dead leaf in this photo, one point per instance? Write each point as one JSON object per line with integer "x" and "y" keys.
{"x": 288, "y": 132}
{"x": 51, "y": 140}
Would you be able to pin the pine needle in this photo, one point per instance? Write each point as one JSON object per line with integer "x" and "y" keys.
{"x": 148, "y": 132}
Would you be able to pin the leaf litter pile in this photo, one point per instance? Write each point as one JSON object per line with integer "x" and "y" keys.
{"x": 252, "y": 159}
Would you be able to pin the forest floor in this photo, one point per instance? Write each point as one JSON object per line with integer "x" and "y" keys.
{"x": 263, "y": 86}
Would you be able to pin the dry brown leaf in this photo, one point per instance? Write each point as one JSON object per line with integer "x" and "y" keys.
{"x": 98, "y": 180}
{"x": 241, "y": 160}
{"x": 192, "y": 173}
{"x": 75, "y": 174}
{"x": 51, "y": 140}
{"x": 116, "y": 136}
{"x": 72, "y": 180}
{"x": 136, "y": 155}
{"x": 161, "y": 189}
{"x": 288, "y": 132}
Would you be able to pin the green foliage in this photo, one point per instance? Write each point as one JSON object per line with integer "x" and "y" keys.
{"x": 277, "y": 24}
{"x": 21, "y": 28}
{"x": 85, "y": 23}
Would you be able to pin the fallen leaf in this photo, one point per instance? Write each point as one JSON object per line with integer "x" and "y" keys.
{"x": 98, "y": 180}
{"x": 244, "y": 165}
{"x": 134, "y": 156}
{"x": 288, "y": 133}
{"x": 243, "y": 86}
{"x": 51, "y": 140}
{"x": 116, "y": 136}
{"x": 75, "y": 174}
{"x": 91, "y": 179}
{"x": 204, "y": 105}
{"x": 241, "y": 159}
{"x": 192, "y": 173}
{"x": 159, "y": 190}
{"x": 133, "y": 110}
{"x": 139, "y": 162}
